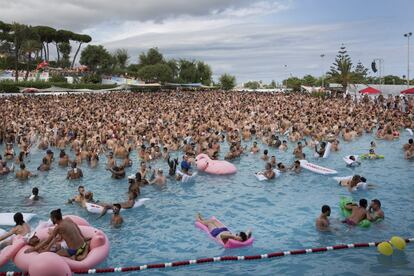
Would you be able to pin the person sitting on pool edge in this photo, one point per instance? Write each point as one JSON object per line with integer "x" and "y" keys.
{"x": 374, "y": 211}
{"x": 218, "y": 230}
{"x": 322, "y": 222}
{"x": 359, "y": 213}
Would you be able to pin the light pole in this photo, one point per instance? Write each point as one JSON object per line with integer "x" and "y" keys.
{"x": 285, "y": 66}
{"x": 408, "y": 35}
{"x": 323, "y": 71}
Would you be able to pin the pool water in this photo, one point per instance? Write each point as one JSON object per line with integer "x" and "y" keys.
{"x": 281, "y": 213}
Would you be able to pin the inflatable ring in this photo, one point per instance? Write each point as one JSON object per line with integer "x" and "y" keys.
{"x": 346, "y": 213}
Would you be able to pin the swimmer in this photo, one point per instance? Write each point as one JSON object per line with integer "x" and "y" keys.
{"x": 374, "y": 211}
{"x": 173, "y": 166}
{"x": 322, "y": 222}
{"x": 265, "y": 157}
{"x": 273, "y": 161}
{"x": 4, "y": 169}
{"x": 21, "y": 228}
{"x": 254, "y": 148}
{"x": 354, "y": 161}
{"x": 63, "y": 159}
{"x": 74, "y": 172}
{"x": 133, "y": 185}
{"x": 283, "y": 146}
{"x": 35, "y": 194}
{"x": 281, "y": 167}
{"x": 23, "y": 173}
{"x": 159, "y": 178}
{"x": 116, "y": 220}
{"x": 409, "y": 145}
{"x": 298, "y": 151}
{"x": 45, "y": 166}
{"x": 373, "y": 145}
{"x": 268, "y": 172}
{"x": 110, "y": 163}
{"x": 321, "y": 151}
{"x": 132, "y": 196}
{"x": 117, "y": 172}
{"x": 79, "y": 197}
{"x": 358, "y": 214}
{"x": 219, "y": 231}
{"x": 296, "y": 167}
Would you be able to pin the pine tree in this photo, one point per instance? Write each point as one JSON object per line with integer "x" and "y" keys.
{"x": 341, "y": 69}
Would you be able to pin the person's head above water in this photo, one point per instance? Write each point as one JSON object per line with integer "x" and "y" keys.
{"x": 116, "y": 208}
{"x": 265, "y": 152}
{"x": 35, "y": 191}
{"x": 243, "y": 236}
{"x": 326, "y": 210}
{"x": 376, "y": 203}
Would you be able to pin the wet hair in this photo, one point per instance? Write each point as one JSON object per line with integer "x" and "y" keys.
{"x": 62, "y": 154}
{"x": 376, "y": 201}
{"x": 18, "y": 218}
{"x": 265, "y": 151}
{"x": 81, "y": 187}
{"x": 363, "y": 202}
{"x": 325, "y": 208}
{"x": 22, "y": 166}
{"x": 56, "y": 214}
{"x": 73, "y": 165}
{"x": 363, "y": 179}
{"x": 35, "y": 191}
{"x": 138, "y": 176}
{"x": 117, "y": 205}
{"x": 410, "y": 141}
{"x": 243, "y": 236}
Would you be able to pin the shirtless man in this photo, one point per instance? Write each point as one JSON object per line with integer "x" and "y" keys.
{"x": 116, "y": 220}
{"x": 74, "y": 172}
{"x": 219, "y": 231}
{"x": 283, "y": 146}
{"x": 132, "y": 196}
{"x": 45, "y": 166}
{"x": 298, "y": 151}
{"x": 159, "y": 178}
{"x": 359, "y": 213}
{"x": 35, "y": 195}
{"x": 63, "y": 159}
{"x": 268, "y": 172}
{"x": 23, "y": 173}
{"x": 322, "y": 222}
{"x": 21, "y": 228}
{"x": 110, "y": 163}
{"x": 77, "y": 249}
{"x": 265, "y": 157}
{"x": 374, "y": 211}
{"x": 79, "y": 197}
{"x": 321, "y": 151}
{"x": 117, "y": 172}
{"x": 254, "y": 148}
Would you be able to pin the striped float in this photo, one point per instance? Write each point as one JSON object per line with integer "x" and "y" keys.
{"x": 217, "y": 259}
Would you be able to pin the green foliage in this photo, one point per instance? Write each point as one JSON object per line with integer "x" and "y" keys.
{"x": 92, "y": 78}
{"x": 360, "y": 74}
{"x": 309, "y": 80}
{"x": 293, "y": 83}
{"x": 57, "y": 78}
{"x": 390, "y": 79}
{"x": 252, "y": 85}
{"x": 152, "y": 57}
{"x": 227, "y": 82}
{"x": 91, "y": 86}
{"x": 156, "y": 73}
{"x": 121, "y": 58}
{"x": 9, "y": 87}
{"x": 65, "y": 49}
{"x": 97, "y": 58}
{"x": 34, "y": 84}
{"x": 318, "y": 95}
{"x": 341, "y": 70}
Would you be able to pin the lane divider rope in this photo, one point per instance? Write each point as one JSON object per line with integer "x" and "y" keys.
{"x": 216, "y": 259}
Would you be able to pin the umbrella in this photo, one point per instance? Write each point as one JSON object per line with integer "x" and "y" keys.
{"x": 409, "y": 91}
{"x": 370, "y": 91}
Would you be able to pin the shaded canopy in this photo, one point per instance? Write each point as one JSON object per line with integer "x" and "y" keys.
{"x": 370, "y": 91}
{"x": 409, "y": 91}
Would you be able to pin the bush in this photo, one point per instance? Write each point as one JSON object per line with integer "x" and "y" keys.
{"x": 92, "y": 86}
{"x": 8, "y": 87}
{"x": 34, "y": 84}
{"x": 92, "y": 78}
{"x": 57, "y": 78}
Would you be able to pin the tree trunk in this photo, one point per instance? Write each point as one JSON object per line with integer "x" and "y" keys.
{"x": 47, "y": 47}
{"x": 58, "y": 54}
{"x": 76, "y": 54}
{"x": 29, "y": 57}
{"x": 16, "y": 65}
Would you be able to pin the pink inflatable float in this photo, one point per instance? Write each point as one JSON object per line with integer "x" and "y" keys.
{"x": 98, "y": 251}
{"x": 230, "y": 243}
{"x": 219, "y": 167}
{"x": 9, "y": 251}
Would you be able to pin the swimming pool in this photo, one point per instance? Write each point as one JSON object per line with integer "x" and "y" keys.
{"x": 280, "y": 213}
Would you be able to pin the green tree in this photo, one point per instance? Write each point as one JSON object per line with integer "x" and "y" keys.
{"x": 252, "y": 85}
{"x": 341, "y": 69}
{"x": 272, "y": 85}
{"x": 97, "y": 58}
{"x": 28, "y": 48}
{"x": 309, "y": 80}
{"x": 360, "y": 74}
{"x": 156, "y": 73}
{"x": 61, "y": 36}
{"x": 227, "y": 82}
{"x": 81, "y": 39}
{"x": 152, "y": 57}
{"x": 203, "y": 73}
{"x": 188, "y": 71}
{"x": 293, "y": 83}
{"x": 390, "y": 79}
{"x": 173, "y": 64}
{"x": 47, "y": 35}
{"x": 121, "y": 58}
{"x": 65, "y": 48}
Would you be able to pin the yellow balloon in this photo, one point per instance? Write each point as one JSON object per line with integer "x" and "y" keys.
{"x": 398, "y": 242}
{"x": 385, "y": 248}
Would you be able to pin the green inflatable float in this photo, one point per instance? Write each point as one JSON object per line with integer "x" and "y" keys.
{"x": 346, "y": 213}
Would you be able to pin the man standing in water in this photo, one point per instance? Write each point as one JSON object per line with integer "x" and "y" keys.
{"x": 322, "y": 222}
{"x": 74, "y": 173}
{"x": 359, "y": 213}
{"x": 77, "y": 249}
{"x": 116, "y": 219}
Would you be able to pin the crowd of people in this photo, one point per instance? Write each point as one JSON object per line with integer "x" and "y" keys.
{"x": 156, "y": 124}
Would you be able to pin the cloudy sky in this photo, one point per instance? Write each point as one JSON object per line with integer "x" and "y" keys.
{"x": 253, "y": 40}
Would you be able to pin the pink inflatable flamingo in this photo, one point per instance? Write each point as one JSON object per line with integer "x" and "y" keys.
{"x": 9, "y": 251}
{"x": 98, "y": 251}
{"x": 219, "y": 167}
